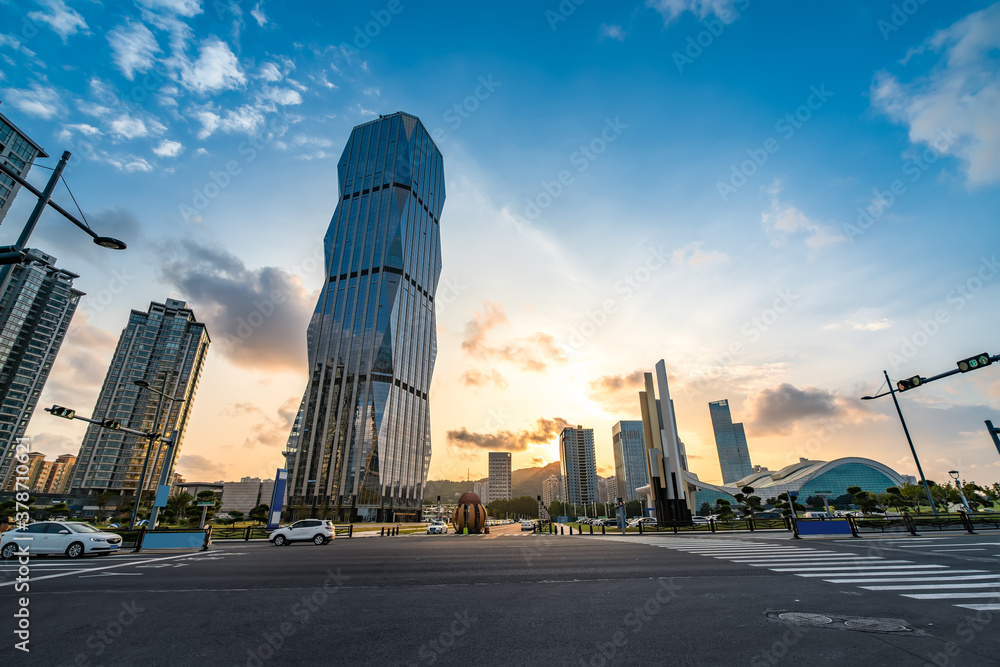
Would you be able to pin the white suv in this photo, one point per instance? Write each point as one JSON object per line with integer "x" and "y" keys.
{"x": 317, "y": 531}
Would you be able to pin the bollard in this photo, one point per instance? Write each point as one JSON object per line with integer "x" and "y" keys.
{"x": 561, "y": 532}
{"x": 246, "y": 534}
{"x": 967, "y": 523}
{"x": 602, "y": 529}
{"x": 591, "y": 529}
{"x": 640, "y": 527}
{"x": 382, "y": 534}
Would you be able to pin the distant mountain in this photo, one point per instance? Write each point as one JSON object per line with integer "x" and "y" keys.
{"x": 524, "y": 482}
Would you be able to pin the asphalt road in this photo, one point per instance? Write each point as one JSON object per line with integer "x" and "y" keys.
{"x": 511, "y": 598}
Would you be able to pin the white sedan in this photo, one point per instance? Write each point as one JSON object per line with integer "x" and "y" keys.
{"x": 72, "y": 538}
{"x": 437, "y": 528}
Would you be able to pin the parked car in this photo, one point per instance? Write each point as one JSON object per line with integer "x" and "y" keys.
{"x": 437, "y": 528}
{"x": 72, "y": 538}
{"x": 644, "y": 520}
{"x": 317, "y": 531}
{"x": 699, "y": 520}
{"x": 527, "y": 524}
{"x": 817, "y": 515}
{"x": 770, "y": 514}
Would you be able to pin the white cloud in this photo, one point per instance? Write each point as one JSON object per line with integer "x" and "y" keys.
{"x": 784, "y": 220}
{"x": 613, "y": 31}
{"x": 127, "y": 127}
{"x": 209, "y": 122}
{"x": 693, "y": 255}
{"x": 671, "y": 9}
{"x": 168, "y": 148}
{"x": 92, "y": 109}
{"x": 133, "y": 47}
{"x": 215, "y": 70}
{"x": 959, "y": 98}
{"x": 866, "y": 319}
{"x": 38, "y": 100}
{"x": 187, "y": 8}
{"x": 258, "y": 13}
{"x": 282, "y": 96}
{"x": 269, "y": 72}
{"x": 246, "y": 119}
{"x": 63, "y": 20}
{"x": 126, "y": 163}
{"x": 67, "y": 132}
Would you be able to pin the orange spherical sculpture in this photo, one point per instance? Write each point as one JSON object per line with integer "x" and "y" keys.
{"x": 469, "y": 515}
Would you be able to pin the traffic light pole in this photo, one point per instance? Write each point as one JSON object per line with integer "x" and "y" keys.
{"x": 995, "y": 433}
{"x": 909, "y": 440}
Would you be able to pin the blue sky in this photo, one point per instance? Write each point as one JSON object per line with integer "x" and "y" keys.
{"x": 670, "y": 179}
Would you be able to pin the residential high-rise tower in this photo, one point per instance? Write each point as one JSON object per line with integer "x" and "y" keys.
{"x": 499, "y": 476}
{"x": 165, "y": 347}
{"x": 18, "y": 153}
{"x": 579, "y": 469}
{"x": 365, "y": 442}
{"x": 36, "y": 306}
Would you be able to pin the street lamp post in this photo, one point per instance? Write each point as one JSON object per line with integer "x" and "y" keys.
{"x": 954, "y": 475}
{"x": 909, "y": 440}
{"x": 154, "y": 438}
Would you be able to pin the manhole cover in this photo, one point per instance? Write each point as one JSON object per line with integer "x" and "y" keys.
{"x": 798, "y": 617}
{"x": 875, "y": 625}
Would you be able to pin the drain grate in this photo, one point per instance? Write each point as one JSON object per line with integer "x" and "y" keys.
{"x": 833, "y": 621}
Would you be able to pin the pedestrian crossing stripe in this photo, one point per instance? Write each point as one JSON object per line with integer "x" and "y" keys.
{"x": 838, "y": 567}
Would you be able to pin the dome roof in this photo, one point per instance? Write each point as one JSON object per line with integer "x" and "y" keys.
{"x": 469, "y": 498}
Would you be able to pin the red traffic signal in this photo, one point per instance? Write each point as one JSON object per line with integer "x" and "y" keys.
{"x": 909, "y": 383}
{"x": 972, "y": 363}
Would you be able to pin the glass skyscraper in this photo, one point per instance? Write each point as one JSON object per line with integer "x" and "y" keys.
{"x": 166, "y": 347}
{"x": 364, "y": 445}
{"x": 36, "y": 306}
{"x": 731, "y": 441}
{"x": 577, "y": 464}
{"x": 631, "y": 466}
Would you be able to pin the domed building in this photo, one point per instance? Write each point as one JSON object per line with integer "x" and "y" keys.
{"x": 807, "y": 478}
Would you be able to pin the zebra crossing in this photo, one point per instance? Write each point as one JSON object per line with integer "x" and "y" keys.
{"x": 974, "y": 589}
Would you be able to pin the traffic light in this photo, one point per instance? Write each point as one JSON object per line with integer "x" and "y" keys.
{"x": 111, "y": 423}
{"x": 60, "y": 411}
{"x": 972, "y": 363}
{"x": 909, "y": 383}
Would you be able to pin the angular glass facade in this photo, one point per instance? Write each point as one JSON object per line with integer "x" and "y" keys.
{"x": 731, "y": 441}
{"x": 18, "y": 153}
{"x": 364, "y": 442}
{"x": 631, "y": 467}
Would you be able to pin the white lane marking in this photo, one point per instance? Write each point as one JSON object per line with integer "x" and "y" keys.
{"x": 942, "y": 551}
{"x": 91, "y": 569}
{"x": 882, "y": 577}
{"x": 920, "y": 587}
{"x": 980, "y": 607}
{"x": 822, "y": 566}
{"x": 814, "y": 561}
{"x": 111, "y": 574}
{"x": 951, "y": 596}
{"x": 872, "y": 568}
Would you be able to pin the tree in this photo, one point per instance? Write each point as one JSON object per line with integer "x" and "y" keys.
{"x": 103, "y": 499}
{"x": 178, "y": 504}
{"x": 235, "y": 516}
{"x": 724, "y": 509}
{"x": 705, "y": 509}
{"x": 260, "y": 514}
{"x": 786, "y": 506}
{"x": 749, "y": 503}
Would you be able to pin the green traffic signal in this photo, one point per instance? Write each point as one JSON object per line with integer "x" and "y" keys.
{"x": 111, "y": 423}
{"x": 972, "y": 363}
{"x": 60, "y": 411}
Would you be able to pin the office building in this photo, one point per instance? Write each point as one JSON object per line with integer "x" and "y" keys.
{"x": 731, "y": 441}
{"x": 36, "y": 306}
{"x": 551, "y": 489}
{"x": 482, "y": 489}
{"x": 579, "y": 469}
{"x": 499, "y": 476}
{"x": 612, "y": 488}
{"x": 246, "y": 494}
{"x": 365, "y": 442}
{"x": 165, "y": 347}
{"x": 18, "y": 153}
{"x": 631, "y": 468}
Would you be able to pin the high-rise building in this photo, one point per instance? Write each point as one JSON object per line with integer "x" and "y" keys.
{"x": 731, "y": 441}
{"x": 365, "y": 443}
{"x": 482, "y": 489}
{"x": 165, "y": 347}
{"x": 579, "y": 469}
{"x": 551, "y": 489}
{"x": 612, "y": 485}
{"x": 62, "y": 470}
{"x": 246, "y": 494}
{"x": 36, "y": 306}
{"x": 631, "y": 467}
{"x": 18, "y": 153}
{"x": 499, "y": 476}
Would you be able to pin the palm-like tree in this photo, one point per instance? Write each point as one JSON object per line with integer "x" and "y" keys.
{"x": 177, "y": 504}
